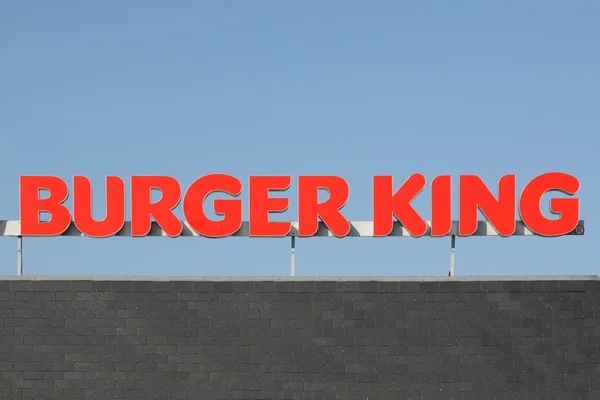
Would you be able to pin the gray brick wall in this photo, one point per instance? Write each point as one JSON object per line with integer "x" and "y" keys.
{"x": 299, "y": 340}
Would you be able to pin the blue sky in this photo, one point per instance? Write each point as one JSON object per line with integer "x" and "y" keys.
{"x": 339, "y": 87}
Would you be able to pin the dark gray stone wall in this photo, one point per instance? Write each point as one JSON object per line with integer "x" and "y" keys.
{"x": 299, "y": 340}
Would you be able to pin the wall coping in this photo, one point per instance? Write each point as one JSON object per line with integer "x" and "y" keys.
{"x": 303, "y": 278}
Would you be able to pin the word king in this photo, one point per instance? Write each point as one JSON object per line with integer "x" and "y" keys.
{"x": 389, "y": 203}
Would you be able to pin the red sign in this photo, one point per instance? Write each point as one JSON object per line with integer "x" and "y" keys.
{"x": 388, "y": 204}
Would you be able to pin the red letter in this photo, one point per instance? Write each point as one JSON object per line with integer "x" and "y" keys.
{"x": 115, "y": 207}
{"x": 441, "y": 205}
{"x": 193, "y": 205}
{"x": 475, "y": 196}
{"x": 309, "y": 209}
{"x": 567, "y": 209}
{"x": 386, "y": 205}
{"x": 261, "y": 204}
{"x": 31, "y": 206}
{"x": 142, "y": 208}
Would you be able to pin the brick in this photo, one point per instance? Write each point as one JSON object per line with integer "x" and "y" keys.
{"x": 296, "y": 340}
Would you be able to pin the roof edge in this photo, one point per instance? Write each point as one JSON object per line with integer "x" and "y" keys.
{"x": 303, "y": 278}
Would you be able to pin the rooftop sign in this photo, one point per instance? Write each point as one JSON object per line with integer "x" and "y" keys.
{"x": 389, "y": 203}
{"x": 392, "y": 212}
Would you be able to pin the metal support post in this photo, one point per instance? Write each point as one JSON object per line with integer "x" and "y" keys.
{"x": 293, "y": 270}
{"x": 19, "y": 255}
{"x": 452, "y": 255}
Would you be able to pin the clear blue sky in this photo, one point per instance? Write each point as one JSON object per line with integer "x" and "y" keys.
{"x": 348, "y": 88}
